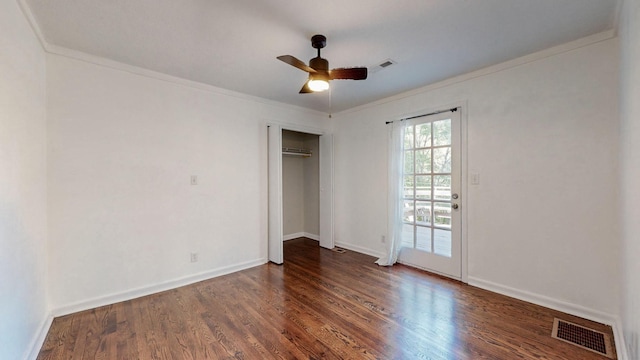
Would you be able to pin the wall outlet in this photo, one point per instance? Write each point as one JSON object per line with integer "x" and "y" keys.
{"x": 194, "y": 179}
{"x": 194, "y": 257}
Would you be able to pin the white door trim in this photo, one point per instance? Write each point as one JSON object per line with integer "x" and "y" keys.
{"x": 274, "y": 149}
{"x": 326, "y": 191}
{"x": 464, "y": 185}
{"x": 275, "y": 210}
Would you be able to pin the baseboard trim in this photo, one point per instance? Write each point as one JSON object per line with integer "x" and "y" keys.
{"x": 577, "y": 310}
{"x": 359, "y": 249}
{"x": 299, "y": 235}
{"x": 38, "y": 340}
{"x": 312, "y": 236}
{"x": 618, "y": 338}
{"x": 148, "y": 290}
{"x": 566, "y": 307}
{"x": 292, "y": 236}
{"x": 569, "y": 308}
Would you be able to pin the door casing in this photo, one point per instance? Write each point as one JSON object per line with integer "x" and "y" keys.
{"x": 463, "y": 191}
{"x": 275, "y": 210}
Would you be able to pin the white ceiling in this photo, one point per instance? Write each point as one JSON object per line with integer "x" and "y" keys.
{"x": 233, "y": 44}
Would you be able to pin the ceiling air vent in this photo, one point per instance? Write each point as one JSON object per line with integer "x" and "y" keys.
{"x": 583, "y": 337}
{"x": 383, "y": 64}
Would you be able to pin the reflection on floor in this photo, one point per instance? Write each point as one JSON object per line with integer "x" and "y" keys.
{"x": 319, "y": 304}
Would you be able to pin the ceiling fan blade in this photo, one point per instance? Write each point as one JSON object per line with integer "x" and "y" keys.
{"x": 359, "y": 73}
{"x": 305, "y": 88}
{"x": 296, "y": 63}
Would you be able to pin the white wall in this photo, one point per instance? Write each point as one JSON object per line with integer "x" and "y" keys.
{"x": 292, "y": 186}
{"x": 630, "y": 175}
{"x": 292, "y": 196}
{"x": 23, "y": 220}
{"x": 543, "y": 136}
{"x": 122, "y": 148}
{"x": 311, "y": 173}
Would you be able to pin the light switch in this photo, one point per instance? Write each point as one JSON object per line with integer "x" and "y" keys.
{"x": 475, "y": 178}
{"x": 194, "y": 179}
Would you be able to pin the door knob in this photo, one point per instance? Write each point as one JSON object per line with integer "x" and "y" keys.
{"x": 454, "y": 196}
{"x": 454, "y": 206}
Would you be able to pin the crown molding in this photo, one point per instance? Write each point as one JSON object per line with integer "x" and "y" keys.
{"x": 509, "y": 64}
{"x": 136, "y": 70}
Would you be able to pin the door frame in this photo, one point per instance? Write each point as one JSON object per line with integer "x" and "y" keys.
{"x": 463, "y": 107}
{"x": 274, "y": 186}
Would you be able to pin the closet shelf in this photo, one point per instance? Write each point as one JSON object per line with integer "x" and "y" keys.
{"x": 296, "y": 152}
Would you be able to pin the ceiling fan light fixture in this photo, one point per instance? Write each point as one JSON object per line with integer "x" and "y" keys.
{"x": 318, "y": 85}
{"x": 318, "y": 82}
{"x": 318, "y": 69}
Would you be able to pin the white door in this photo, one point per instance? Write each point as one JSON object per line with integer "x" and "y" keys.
{"x": 275, "y": 193}
{"x": 326, "y": 191}
{"x": 432, "y": 236}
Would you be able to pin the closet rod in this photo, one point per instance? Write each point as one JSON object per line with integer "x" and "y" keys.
{"x": 423, "y": 115}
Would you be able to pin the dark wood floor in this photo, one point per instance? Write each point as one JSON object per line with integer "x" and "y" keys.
{"x": 319, "y": 304}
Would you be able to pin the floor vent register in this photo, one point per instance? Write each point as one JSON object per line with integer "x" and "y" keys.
{"x": 583, "y": 337}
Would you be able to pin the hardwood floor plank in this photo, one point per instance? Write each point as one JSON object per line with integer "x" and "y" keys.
{"x": 281, "y": 311}
{"x": 55, "y": 347}
{"x": 126, "y": 347}
{"x": 319, "y": 305}
{"x": 247, "y": 343}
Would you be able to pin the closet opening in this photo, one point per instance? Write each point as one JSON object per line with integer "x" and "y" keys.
{"x": 300, "y": 186}
{"x": 300, "y": 182}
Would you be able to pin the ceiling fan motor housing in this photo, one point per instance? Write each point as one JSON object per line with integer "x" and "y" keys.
{"x": 319, "y": 64}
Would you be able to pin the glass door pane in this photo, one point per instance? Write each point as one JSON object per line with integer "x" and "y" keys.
{"x": 431, "y": 175}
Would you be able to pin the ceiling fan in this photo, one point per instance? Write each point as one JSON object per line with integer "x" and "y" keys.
{"x": 318, "y": 69}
